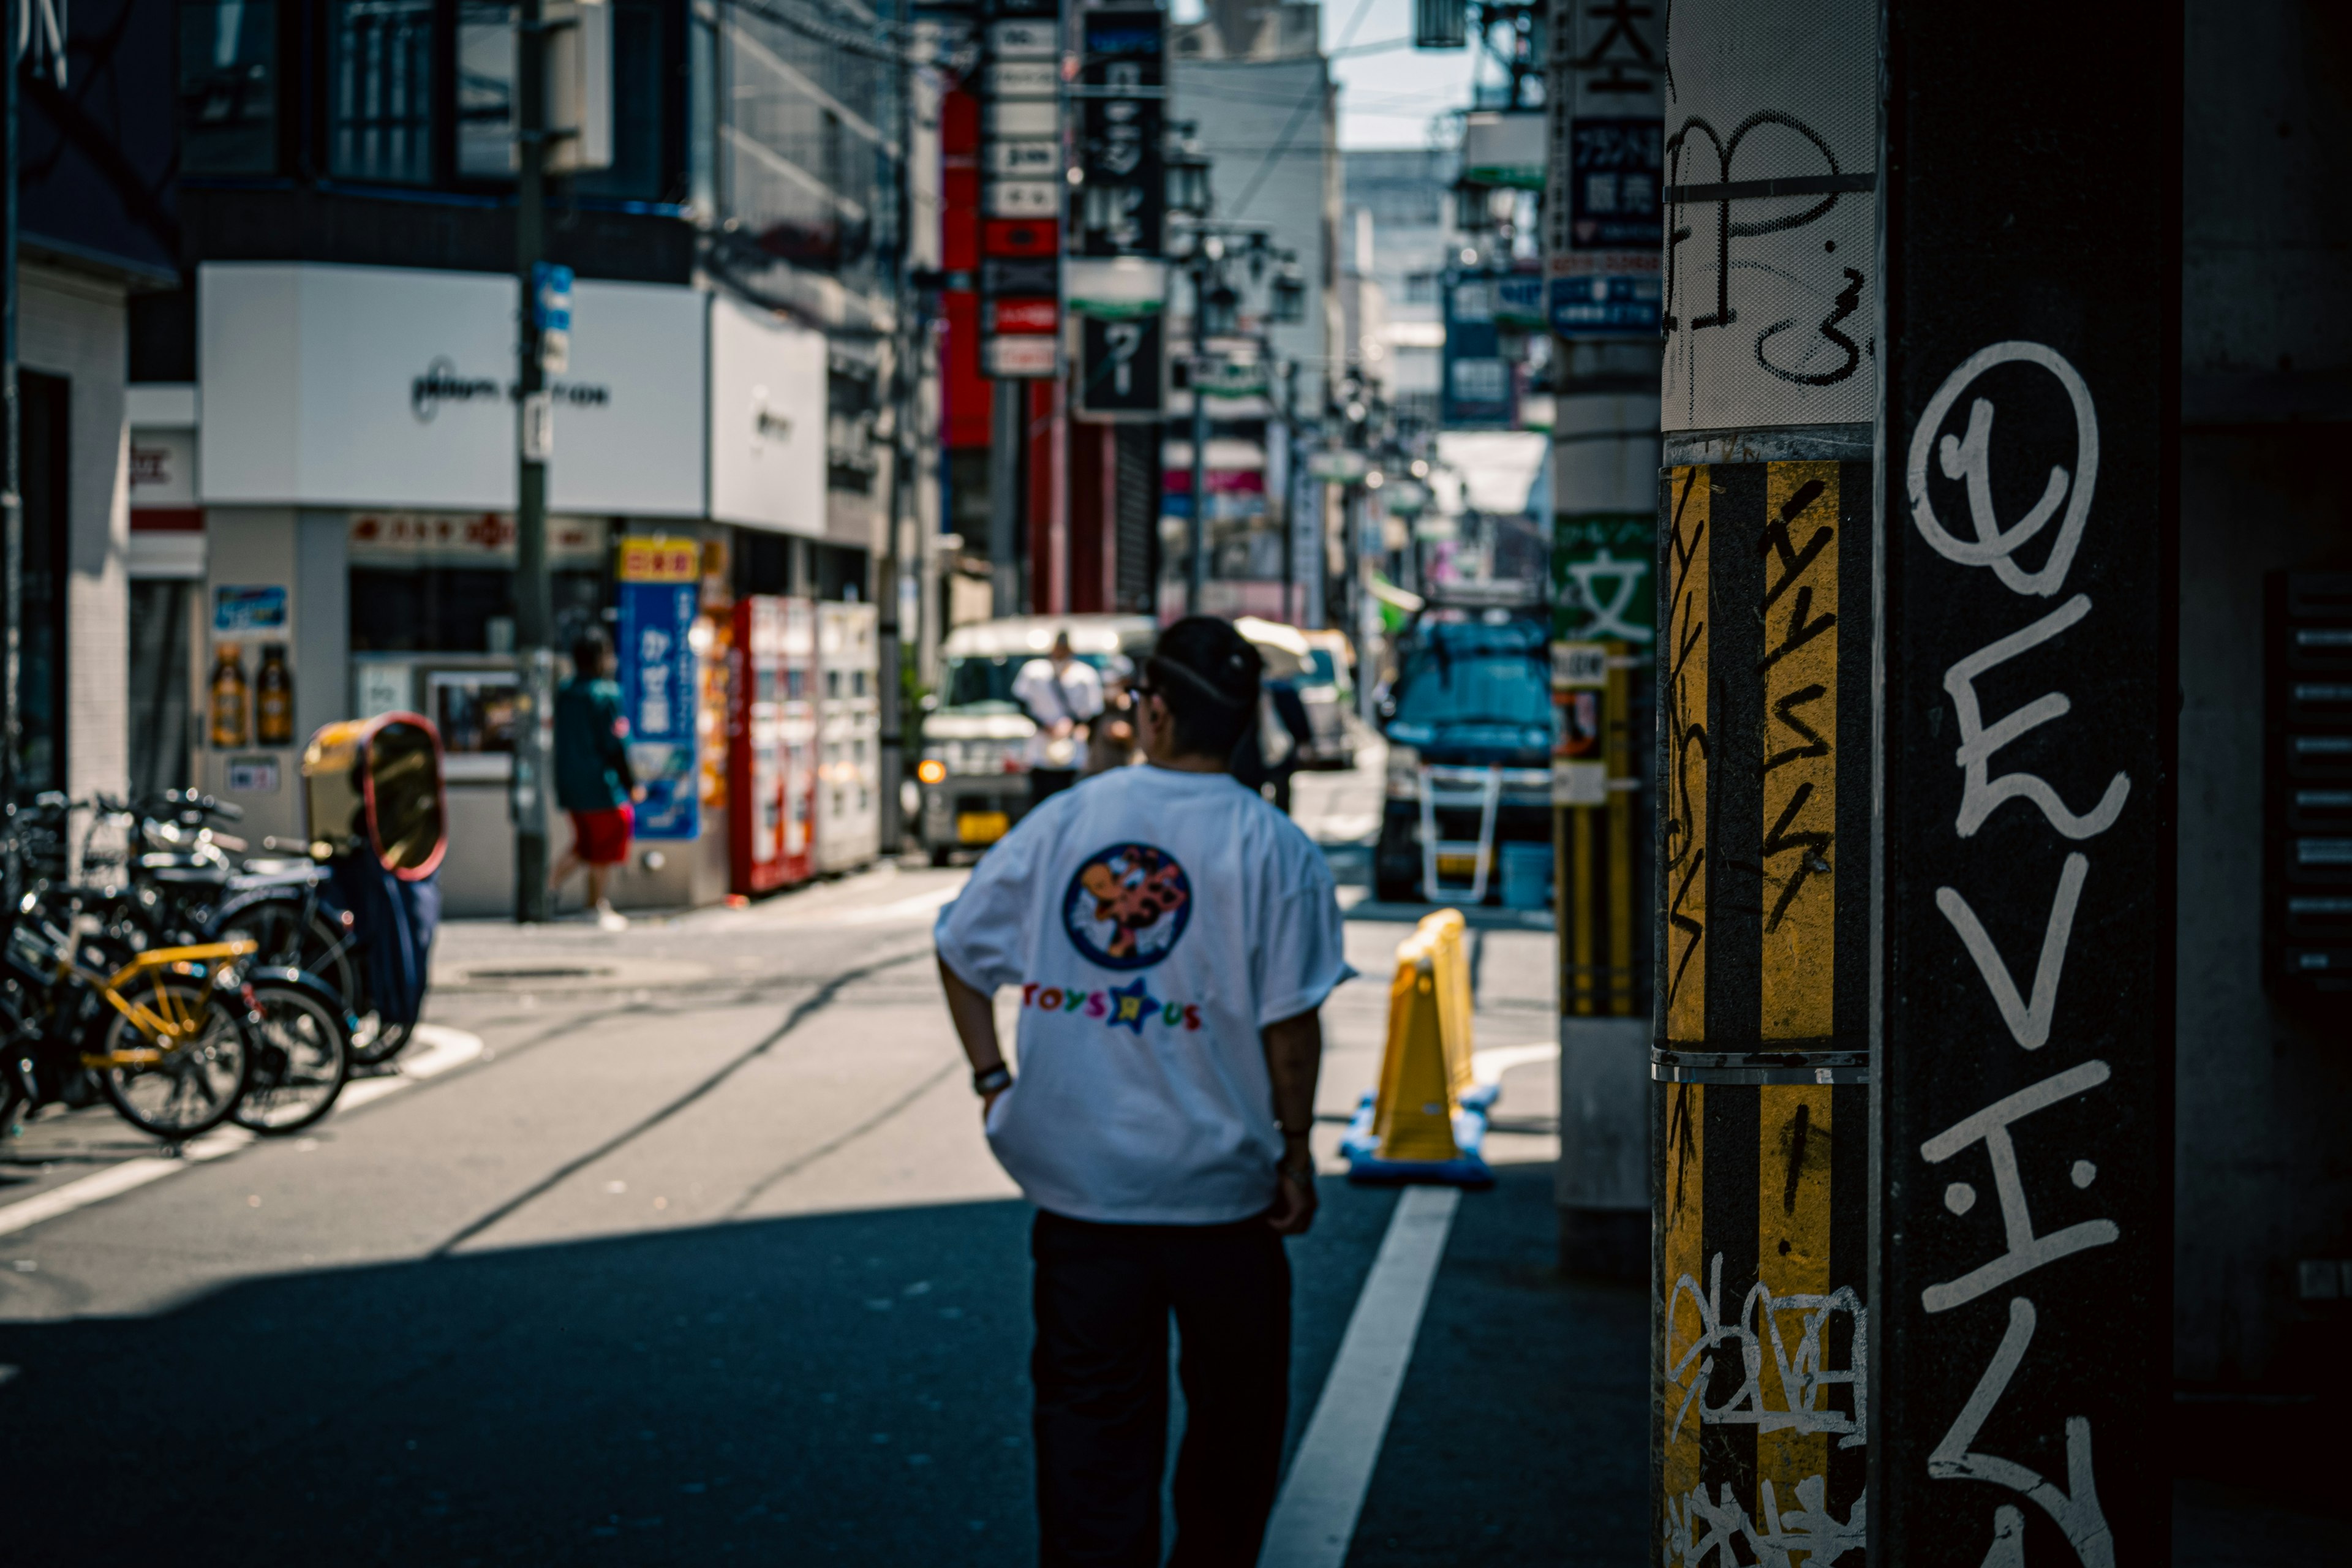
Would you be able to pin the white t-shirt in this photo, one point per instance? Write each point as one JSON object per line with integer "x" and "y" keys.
{"x": 1155, "y": 922}
{"x": 1076, "y": 696}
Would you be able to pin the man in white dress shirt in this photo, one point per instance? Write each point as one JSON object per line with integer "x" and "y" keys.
{"x": 1061, "y": 692}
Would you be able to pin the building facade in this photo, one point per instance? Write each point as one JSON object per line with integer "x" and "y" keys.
{"x": 323, "y": 452}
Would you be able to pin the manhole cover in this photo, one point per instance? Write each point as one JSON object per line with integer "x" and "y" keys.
{"x": 485, "y": 976}
{"x": 568, "y": 975}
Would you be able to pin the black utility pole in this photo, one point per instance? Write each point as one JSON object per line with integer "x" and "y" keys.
{"x": 1291, "y": 612}
{"x": 2021, "y": 1116}
{"x": 905, "y": 311}
{"x": 534, "y": 659}
{"x": 1196, "y": 536}
{"x": 12, "y": 481}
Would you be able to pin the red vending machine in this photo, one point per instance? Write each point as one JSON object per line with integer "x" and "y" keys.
{"x": 771, "y": 746}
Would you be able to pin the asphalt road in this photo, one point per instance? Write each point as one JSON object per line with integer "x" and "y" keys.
{"x": 703, "y": 1256}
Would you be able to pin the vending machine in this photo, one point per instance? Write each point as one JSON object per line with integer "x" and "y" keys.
{"x": 849, "y": 737}
{"x": 771, "y": 746}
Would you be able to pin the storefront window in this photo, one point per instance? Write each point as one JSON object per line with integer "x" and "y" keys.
{"x": 485, "y": 63}
{"x": 460, "y": 609}
{"x": 379, "y": 102}
{"x": 229, "y": 87}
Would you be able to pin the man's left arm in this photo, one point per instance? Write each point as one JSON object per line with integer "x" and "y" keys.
{"x": 1294, "y": 1059}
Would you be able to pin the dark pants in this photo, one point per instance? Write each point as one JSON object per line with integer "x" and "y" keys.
{"x": 1043, "y": 782}
{"x": 1103, "y": 1296}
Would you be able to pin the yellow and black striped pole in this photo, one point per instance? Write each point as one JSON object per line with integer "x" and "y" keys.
{"x": 1759, "y": 1116}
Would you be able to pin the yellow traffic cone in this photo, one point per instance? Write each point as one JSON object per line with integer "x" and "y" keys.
{"x": 1416, "y": 1116}
{"x": 1410, "y": 1129}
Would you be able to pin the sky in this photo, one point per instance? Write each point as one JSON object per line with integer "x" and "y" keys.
{"x": 1388, "y": 91}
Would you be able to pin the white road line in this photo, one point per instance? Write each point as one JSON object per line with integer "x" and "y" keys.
{"x": 444, "y": 1049}
{"x": 116, "y": 1180}
{"x": 1489, "y": 1066}
{"x": 1315, "y": 1518}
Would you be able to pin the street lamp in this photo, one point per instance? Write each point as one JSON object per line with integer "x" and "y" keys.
{"x": 1474, "y": 207}
{"x": 1286, "y": 296}
{"x": 1188, "y": 177}
{"x": 1221, "y": 312}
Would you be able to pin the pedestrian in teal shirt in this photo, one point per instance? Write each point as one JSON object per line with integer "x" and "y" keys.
{"x": 593, "y": 779}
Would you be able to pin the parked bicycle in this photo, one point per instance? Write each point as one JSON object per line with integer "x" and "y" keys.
{"x": 105, "y": 987}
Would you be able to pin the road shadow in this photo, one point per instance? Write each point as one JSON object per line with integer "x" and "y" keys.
{"x": 1520, "y": 1433}
{"x": 848, "y": 1387}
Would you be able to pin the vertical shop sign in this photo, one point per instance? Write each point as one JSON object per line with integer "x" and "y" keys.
{"x": 1478, "y": 391}
{"x": 1118, "y": 223}
{"x": 1603, "y": 200}
{"x": 660, "y": 683}
{"x": 2020, "y": 1365}
{"x": 1121, "y": 74}
{"x": 1021, "y": 160}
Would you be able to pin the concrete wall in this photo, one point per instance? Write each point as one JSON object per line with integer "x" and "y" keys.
{"x": 77, "y": 327}
{"x": 2264, "y": 1173}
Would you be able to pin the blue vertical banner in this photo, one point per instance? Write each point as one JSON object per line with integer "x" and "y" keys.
{"x": 659, "y": 596}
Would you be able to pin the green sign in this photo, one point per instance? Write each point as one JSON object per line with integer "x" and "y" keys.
{"x": 1604, "y": 576}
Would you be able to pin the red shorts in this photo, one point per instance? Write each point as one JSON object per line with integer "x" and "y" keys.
{"x": 602, "y": 838}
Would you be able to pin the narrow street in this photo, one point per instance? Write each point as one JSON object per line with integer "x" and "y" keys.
{"x": 701, "y": 1253}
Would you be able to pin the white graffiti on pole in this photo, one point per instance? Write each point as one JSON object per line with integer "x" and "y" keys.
{"x": 1802, "y": 1377}
{"x": 1697, "y": 1527}
{"x": 2075, "y": 1508}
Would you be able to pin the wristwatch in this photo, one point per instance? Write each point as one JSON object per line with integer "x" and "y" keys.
{"x": 984, "y": 1084}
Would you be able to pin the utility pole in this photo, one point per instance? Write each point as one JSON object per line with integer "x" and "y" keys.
{"x": 1607, "y": 73}
{"x": 1196, "y": 532}
{"x": 534, "y": 659}
{"x": 1290, "y": 485}
{"x": 12, "y": 483}
{"x": 2022, "y": 1079}
{"x": 1759, "y": 1060}
{"x": 905, "y": 309}
{"x": 1008, "y": 438}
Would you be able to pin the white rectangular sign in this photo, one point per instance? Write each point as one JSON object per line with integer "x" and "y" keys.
{"x": 1032, "y": 358}
{"x": 1024, "y": 78}
{"x": 768, "y": 409}
{"x": 369, "y": 387}
{"x": 1038, "y": 158}
{"x": 1024, "y": 40}
{"x": 1023, "y": 117}
{"x": 1021, "y": 199}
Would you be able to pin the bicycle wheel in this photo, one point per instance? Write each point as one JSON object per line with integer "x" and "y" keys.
{"x": 178, "y": 1088}
{"x": 301, "y": 1057}
{"x": 286, "y": 938}
{"x": 375, "y": 1041}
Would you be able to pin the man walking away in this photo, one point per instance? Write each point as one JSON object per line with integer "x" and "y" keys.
{"x": 1061, "y": 692}
{"x": 1173, "y": 937}
{"x": 593, "y": 781}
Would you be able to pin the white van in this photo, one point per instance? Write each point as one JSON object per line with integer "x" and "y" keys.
{"x": 975, "y": 770}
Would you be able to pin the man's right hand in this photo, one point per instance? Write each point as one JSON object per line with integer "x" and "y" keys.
{"x": 1294, "y": 1199}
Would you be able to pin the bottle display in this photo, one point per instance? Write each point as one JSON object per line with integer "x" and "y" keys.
{"x": 273, "y": 699}
{"x": 228, "y": 694}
